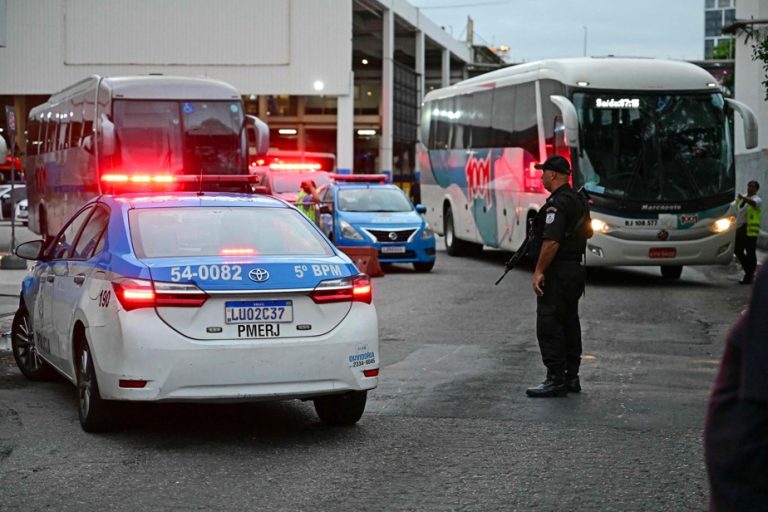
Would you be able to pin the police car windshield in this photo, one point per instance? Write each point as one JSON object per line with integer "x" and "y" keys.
{"x": 655, "y": 147}
{"x": 178, "y": 136}
{"x": 373, "y": 200}
{"x": 222, "y": 231}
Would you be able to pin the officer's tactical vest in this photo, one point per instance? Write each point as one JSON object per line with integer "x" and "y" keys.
{"x": 753, "y": 220}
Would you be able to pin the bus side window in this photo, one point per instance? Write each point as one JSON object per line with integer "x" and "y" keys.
{"x": 503, "y": 117}
{"x": 482, "y": 133}
{"x": 526, "y": 134}
{"x": 75, "y": 128}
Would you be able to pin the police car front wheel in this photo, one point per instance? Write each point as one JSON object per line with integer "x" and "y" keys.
{"x": 24, "y": 348}
{"x": 344, "y": 409}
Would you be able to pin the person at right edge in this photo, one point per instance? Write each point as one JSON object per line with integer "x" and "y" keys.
{"x": 747, "y": 230}
{"x": 736, "y": 426}
{"x": 560, "y": 233}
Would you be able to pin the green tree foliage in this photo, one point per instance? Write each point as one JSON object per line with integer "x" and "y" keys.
{"x": 724, "y": 50}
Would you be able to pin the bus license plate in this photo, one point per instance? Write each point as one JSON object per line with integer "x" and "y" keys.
{"x": 388, "y": 249}
{"x": 251, "y": 312}
{"x": 662, "y": 252}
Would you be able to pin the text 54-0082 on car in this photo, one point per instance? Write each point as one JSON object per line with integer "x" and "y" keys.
{"x": 189, "y": 297}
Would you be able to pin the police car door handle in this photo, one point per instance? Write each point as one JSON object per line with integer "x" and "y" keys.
{"x": 79, "y": 279}
{"x": 50, "y": 276}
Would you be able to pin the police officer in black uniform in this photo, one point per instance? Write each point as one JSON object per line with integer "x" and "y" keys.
{"x": 560, "y": 233}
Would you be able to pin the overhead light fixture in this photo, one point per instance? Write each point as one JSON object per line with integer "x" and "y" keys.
{"x": 287, "y": 131}
{"x": 364, "y": 61}
{"x": 252, "y": 97}
{"x": 318, "y": 85}
{"x": 366, "y": 132}
{"x": 712, "y": 84}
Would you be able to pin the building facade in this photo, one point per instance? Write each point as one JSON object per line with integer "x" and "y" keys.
{"x": 338, "y": 76}
{"x": 717, "y": 14}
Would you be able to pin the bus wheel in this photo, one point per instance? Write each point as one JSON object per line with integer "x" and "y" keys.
{"x": 453, "y": 246}
{"x": 671, "y": 271}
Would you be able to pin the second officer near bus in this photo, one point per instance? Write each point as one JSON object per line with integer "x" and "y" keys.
{"x": 560, "y": 234}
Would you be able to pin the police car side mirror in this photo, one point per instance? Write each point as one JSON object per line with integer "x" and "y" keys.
{"x": 30, "y": 250}
{"x": 421, "y": 209}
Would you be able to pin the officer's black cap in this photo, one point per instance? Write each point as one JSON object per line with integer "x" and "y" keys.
{"x": 555, "y": 163}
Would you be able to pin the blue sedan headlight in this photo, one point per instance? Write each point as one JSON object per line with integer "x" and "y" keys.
{"x": 347, "y": 231}
{"x": 427, "y": 232}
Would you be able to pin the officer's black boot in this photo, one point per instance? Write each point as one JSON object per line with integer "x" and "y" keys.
{"x": 553, "y": 386}
{"x": 572, "y": 383}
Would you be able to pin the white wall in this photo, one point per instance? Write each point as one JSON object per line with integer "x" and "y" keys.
{"x": 752, "y": 164}
{"x": 258, "y": 46}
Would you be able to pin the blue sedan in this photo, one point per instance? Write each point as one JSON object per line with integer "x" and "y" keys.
{"x": 360, "y": 213}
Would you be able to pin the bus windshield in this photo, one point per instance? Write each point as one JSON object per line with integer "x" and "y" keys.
{"x": 186, "y": 137}
{"x": 655, "y": 147}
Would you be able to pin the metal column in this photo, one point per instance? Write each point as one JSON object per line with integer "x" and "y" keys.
{"x": 345, "y": 130}
{"x": 387, "y": 71}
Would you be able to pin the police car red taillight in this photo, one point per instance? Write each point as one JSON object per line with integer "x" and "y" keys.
{"x": 139, "y": 293}
{"x": 347, "y": 289}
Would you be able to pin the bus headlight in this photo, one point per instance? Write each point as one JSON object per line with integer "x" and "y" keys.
{"x": 722, "y": 225}
{"x": 599, "y": 226}
{"x": 427, "y": 233}
{"x": 347, "y": 231}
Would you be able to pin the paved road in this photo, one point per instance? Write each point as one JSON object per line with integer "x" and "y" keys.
{"x": 449, "y": 428}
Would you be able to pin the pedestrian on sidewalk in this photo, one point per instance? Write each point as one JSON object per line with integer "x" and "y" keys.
{"x": 747, "y": 230}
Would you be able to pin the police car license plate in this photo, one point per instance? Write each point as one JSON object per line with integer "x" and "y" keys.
{"x": 250, "y": 312}
{"x": 388, "y": 249}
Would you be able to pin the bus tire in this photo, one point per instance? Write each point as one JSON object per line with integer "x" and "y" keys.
{"x": 453, "y": 246}
{"x": 671, "y": 271}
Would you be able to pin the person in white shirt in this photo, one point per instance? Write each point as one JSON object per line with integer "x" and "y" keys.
{"x": 747, "y": 230}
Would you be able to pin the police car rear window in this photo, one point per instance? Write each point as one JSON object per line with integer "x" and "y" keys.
{"x": 221, "y": 231}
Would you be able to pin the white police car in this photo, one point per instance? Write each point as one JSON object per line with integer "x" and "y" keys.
{"x": 196, "y": 297}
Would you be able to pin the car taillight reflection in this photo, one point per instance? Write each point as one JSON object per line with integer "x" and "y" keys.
{"x": 139, "y": 293}
{"x": 347, "y": 289}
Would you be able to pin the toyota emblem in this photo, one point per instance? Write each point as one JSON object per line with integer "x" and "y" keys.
{"x": 663, "y": 234}
{"x": 259, "y": 275}
{"x": 392, "y": 236}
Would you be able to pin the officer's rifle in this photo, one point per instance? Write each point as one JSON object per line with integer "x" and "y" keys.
{"x": 521, "y": 252}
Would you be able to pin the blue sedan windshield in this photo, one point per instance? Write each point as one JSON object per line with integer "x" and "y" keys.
{"x": 373, "y": 200}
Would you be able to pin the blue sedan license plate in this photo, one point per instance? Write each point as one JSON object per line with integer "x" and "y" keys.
{"x": 249, "y": 312}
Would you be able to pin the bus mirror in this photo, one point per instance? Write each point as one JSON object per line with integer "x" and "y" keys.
{"x": 258, "y": 136}
{"x": 749, "y": 120}
{"x": 107, "y": 136}
{"x": 570, "y": 119}
{"x": 3, "y": 149}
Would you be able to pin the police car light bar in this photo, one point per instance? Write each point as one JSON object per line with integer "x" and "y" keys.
{"x": 360, "y": 178}
{"x": 138, "y": 179}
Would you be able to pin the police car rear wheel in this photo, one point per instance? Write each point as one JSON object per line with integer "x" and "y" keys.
{"x": 344, "y": 409}
{"x": 95, "y": 413}
{"x": 24, "y": 348}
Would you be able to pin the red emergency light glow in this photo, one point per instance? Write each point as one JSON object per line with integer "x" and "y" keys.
{"x": 296, "y": 166}
{"x": 138, "y": 178}
{"x": 359, "y": 178}
{"x": 237, "y": 251}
